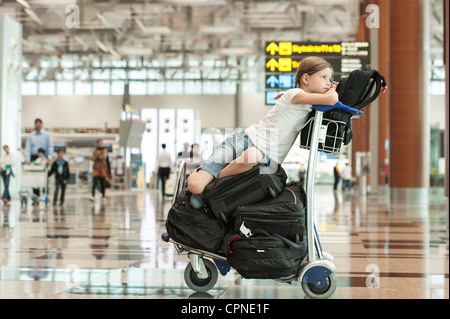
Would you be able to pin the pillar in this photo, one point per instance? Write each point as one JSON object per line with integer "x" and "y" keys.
{"x": 10, "y": 93}
{"x": 408, "y": 126}
{"x": 447, "y": 74}
{"x": 383, "y": 99}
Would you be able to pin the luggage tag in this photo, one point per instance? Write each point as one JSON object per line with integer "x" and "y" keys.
{"x": 245, "y": 231}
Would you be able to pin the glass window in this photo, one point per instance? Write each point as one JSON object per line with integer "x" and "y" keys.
{"x": 138, "y": 88}
{"x": 211, "y": 87}
{"x": 437, "y": 88}
{"x": 101, "y": 88}
{"x": 153, "y": 74}
{"x": 64, "y": 88}
{"x": 118, "y": 63}
{"x": 118, "y": 74}
{"x": 47, "y": 88}
{"x": 228, "y": 87}
{"x": 137, "y": 74}
{"x": 193, "y": 87}
{"x": 213, "y": 74}
{"x": 67, "y": 61}
{"x": 83, "y": 88}
{"x": 193, "y": 74}
{"x": 156, "y": 87}
{"x": 81, "y": 74}
{"x": 174, "y": 62}
{"x": 95, "y": 62}
{"x": 32, "y": 75}
{"x": 132, "y": 63}
{"x": 174, "y": 87}
{"x": 117, "y": 87}
{"x": 67, "y": 74}
{"x": 29, "y": 88}
{"x": 100, "y": 74}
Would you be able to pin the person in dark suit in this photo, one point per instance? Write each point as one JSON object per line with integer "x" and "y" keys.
{"x": 60, "y": 168}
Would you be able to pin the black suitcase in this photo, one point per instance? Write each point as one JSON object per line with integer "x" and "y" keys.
{"x": 265, "y": 256}
{"x": 284, "y": 215}
{"x": 224, "y": 195}
{"x": 195, "y": 228}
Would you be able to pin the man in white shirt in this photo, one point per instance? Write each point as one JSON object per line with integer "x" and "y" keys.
{"x": 163, "y": 164}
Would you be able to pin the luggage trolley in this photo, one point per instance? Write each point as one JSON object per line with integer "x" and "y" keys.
{"x": 317, "y": 270}
{"x": 33, "y": 176}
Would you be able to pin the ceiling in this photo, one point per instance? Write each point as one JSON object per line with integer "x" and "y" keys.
{"x": 145, "y": 30}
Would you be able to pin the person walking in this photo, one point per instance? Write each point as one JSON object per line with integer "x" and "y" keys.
{"x": 100, "y": 170}
{"x": 6, "y": 163}
{"x": 38, "y": 139}
{"x": 337, "y": 177}
{"x": 301, "y": 174}
{"x": 163, "y": 164}
{"x": 60, "y": 168}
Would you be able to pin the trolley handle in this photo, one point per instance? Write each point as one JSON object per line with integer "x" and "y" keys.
{"x": 338, "y": 105}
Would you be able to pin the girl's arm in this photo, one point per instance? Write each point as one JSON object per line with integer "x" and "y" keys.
{"x": 328, "y": 98}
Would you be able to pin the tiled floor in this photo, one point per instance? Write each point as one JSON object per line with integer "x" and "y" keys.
{"x": 113, "y": 250}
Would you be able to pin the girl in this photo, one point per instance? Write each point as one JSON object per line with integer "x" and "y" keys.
{"x": 269, "y": 141}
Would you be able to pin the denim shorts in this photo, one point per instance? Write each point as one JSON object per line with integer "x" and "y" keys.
{"x": 227, "y": 151}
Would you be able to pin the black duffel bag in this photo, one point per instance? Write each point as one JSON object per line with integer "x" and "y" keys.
{"x": 265, "y": 256}
{"x": 224, "y": 195}
{"x": 284, "y": 215}
{"x": 195, "y": 228}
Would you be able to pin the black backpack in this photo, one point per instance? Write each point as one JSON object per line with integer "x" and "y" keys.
{"x": 195, "y": 228}
{"x": 264, "y": 255}
{"x": 358, "y": 90}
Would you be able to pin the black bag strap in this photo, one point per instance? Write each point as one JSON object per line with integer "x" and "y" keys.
{"x": 379, "y": 82}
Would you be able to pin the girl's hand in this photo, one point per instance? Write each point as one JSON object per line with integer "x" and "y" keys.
{"x": 334, "y": 84}
{"x": 333, "y": 95}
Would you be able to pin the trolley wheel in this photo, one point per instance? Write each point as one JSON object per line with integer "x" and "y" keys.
{"x": 321, "y": 293}
{"x": 272, "y": 192}
{"x": 199, "y": 284}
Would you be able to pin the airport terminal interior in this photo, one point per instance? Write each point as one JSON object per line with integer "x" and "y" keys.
{"x": 121, "y": 78}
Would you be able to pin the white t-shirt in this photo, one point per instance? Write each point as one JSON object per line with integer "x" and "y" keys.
{"x": 276, "y": 132}
{"x": 346, "y": 173}
{"x": 163, "y": 160}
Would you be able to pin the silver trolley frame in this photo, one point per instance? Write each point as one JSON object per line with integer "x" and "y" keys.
{"x": 317, "y": 270}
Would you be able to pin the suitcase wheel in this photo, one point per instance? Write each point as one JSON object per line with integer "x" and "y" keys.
{"x": 272, "y": 192}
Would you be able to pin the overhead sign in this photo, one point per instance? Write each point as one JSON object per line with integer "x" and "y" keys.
{"x": 283, "y": 60}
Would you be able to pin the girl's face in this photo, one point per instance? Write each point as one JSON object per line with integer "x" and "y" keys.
{"x": 319, "y": 82}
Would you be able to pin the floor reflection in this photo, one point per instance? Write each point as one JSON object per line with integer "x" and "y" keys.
{"x": 113, "y": 249}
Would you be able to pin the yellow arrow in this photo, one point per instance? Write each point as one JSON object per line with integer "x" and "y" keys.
{"x": 272, "y": 47}
{"x": 272, "y": 64}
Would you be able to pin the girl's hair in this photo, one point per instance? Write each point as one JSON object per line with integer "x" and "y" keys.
{"x": 310, "y": 65}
